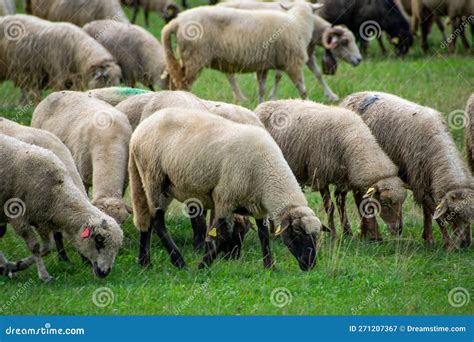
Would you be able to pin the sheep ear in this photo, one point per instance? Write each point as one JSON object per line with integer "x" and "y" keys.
{"x": 440, "y": 210}
{"x": 129, "y": 209}
{"x": 286, "y": 7}
{"x": 317, "y": 6}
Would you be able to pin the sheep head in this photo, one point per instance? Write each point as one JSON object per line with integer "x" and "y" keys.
{"x": 390, "y": 193}
{"x": 341, "y": 42}
{"x": 114, "y": 207}
{"x": 299, "y": 231}
{"x": 456, "y": 208}
{"x": 104, "y": 75}
{"x": 99, "y": 242}
{"x": 231, "y": 244}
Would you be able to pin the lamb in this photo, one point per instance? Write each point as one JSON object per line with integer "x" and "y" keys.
{"x": 78, "y": 12}
{"x": 115, "y": 95}
{"x": 137, "y": 52}
{"x": 50, "y": 142}
{"x": 7, "y": 7}
{"x": 98, "y": 136}
{"x": 36, "y": 54}
{"x": 338, "y": 40}
{"x": 36, "y": 191}
{"x": 326, "y": 145}
{"x": 418, "y": 141}
{"x": 166, "y": 9}
{"x": 469, "y": 132}
{"x": 202, "y": 156}
{"x": 236, "y": 41}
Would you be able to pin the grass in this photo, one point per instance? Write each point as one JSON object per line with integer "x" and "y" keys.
{"x": 353, "y": 276}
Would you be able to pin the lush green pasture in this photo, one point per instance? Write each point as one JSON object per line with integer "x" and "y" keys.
{"x": 353, "y": 276}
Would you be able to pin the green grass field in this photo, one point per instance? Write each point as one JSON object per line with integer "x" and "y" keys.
{"x": 353, "y": 276}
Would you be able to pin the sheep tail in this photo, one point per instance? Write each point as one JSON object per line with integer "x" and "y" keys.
{"x": 173, "y": 66}
{"x": 141, "y": 212}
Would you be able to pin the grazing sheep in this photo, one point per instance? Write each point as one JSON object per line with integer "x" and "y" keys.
{"x": 137, "y": 52}
{"x": 238, "y": 41}
{"x": 36, "y": 191}
{"x": 78, "y": 12}
{"x": 184, "y": 153}
{"x": 329, "y": 145}
{"x": 50, "y": 142}
{"x": 418, "y": 141}
{"x": 115, "y": 95}
{"x": 36, "y": 54}
{"x": 7, "y": 7}
{"x": 167, "y": 9}
{"x": 338, "y": 40}
{"x": 469, "y": 132}
{"x": 97, "y": 135}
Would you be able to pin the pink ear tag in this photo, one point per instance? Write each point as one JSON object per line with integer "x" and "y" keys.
{"x": 86, "y": 233}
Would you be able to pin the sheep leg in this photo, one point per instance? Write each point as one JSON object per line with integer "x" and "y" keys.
{"x": 35, "y": 248}
{"x": 381, "y": 45}
{"x": 58, "y": 239}
{"x": 341, "y": 206}
{"x": 428, "y": 225}
{"x": 452, "y": 44}
{"x": 146, "y": 14}
{"x": 3, "y": 229}
{"x": 158, "y": 223}
{"x": 199, "y": 228}
{"x": 261, "y": 78}
{"x": 296, "y": 76}
{"x": 449, "y": 244}
{"x": 274, "y": 91}
{"x": 329, "y": 207}
{"x": 440, "y": 25}
{"x": 425, "y": 30}
{"x": 464, "y": 41}
{"x": 264, "y": 237}
{"x": 136, "y": 9}
{"x": 235, "y": 88}
{"x": 313, "y": 66}
{"x": 144, "y": 258}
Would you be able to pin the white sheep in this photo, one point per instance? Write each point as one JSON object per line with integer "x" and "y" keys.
{"x": 138, "y": 53}
{"x": 79, "y": 12}
{"x": 7, "y": 7}
{"x": 326, "y": 145}
{"x": 238, "y": 41}
{"x": 36, "y": 54}
{"x": 193, "y": 154}
{"x": 417, "y": 140}
{"x": 50, "y": 142}
{"x": 97, "y": 135}
{"x": 339, "y": 40}
{"x": 36, "y": 191}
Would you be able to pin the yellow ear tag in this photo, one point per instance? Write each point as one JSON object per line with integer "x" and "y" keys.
{"x": 438, "y": 206}
{"x": 213, "y": 232}
{"x": 278, "y": 231}
{"x": 395, "y": 40}
{"x": 370, "y": 191}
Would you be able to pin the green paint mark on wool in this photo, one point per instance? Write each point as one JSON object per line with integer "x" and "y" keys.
{"x": 130, "y": 91}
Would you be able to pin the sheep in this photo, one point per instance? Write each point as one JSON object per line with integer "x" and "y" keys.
{"x": 36, "y": 191}
{"x": 142, "y": 106}
{"x": 115, "y": 95}
{"x": 189, "y": 153}
{"x": 36, "y": 54}
{"x": 138, "y": 53}
{"x": 469, "y": 132}
{"x": 338, "y": 40}
{"x": 50, "y": 142}
{"x": 326, "y": 145}
{"x": 418, "y": 141}
{"x": 97, "y": 135}
{"x": 166, "y": 9}
{"x": 7, "y": 7}
{"x": 235, "y": 41}
{"x": 78, "y": 12}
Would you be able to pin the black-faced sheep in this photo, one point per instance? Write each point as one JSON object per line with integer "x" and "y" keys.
{"x": 36, "y": 191}
{"x": 97, "y": 135}
{"x": 417, "y": 139}
{"x": 183, "y": 153}
{"x": 137, "y": 52}
{"x": 329, "y": 145}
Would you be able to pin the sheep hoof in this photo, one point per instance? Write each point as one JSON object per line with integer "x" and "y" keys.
{"x": 179, "y": 263}
{"x": 332, "y": 97}
{"x": 144, "y": 261}
{"x": 46, "y": 278}
{"x": 62, "y": 257}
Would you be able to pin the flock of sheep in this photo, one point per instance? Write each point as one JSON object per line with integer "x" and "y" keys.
{"x": 170, "y": 144}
